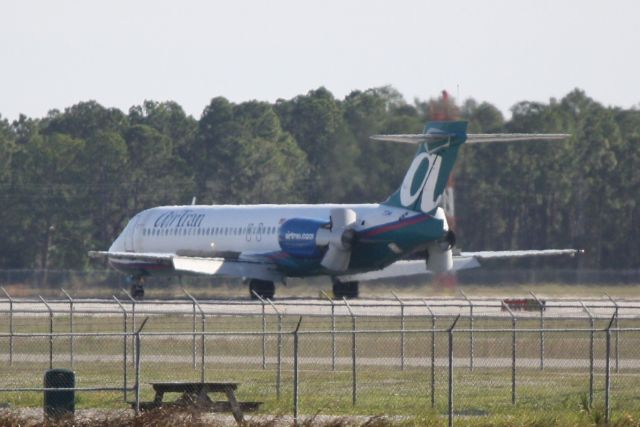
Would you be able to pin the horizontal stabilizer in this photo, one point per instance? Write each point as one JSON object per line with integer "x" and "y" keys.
{"x": 417, "y": 138}
{"x": 472, "y": 138}
{"x": 476, "y": 138}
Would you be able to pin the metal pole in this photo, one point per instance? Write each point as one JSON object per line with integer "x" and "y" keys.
{"x": 295, "y": 372}
{"x": 124, "y": 345}
{"x": 193, "y": 329}
{"x": 133, "y": 318}
{"x": 513, "y": 355}
{"x": 450, "y": 379}
{"x": 615, "y": 303}
{"x": 10, "y": 325}
{"x": 333, "y": 330}
{"x": 264, "y": 330}
{"x": 279, "y": 354}
{"x": 70, "y": 326}
{"x": 401, "y": 330}
{"x": 541, "y": 305}
{"x": 202, "y": 342}
{"x": 470, "y": 329}
{"x": 433, "y": 354}
{"x": 607, "y": 378}
{"x": 137, "y": 362}
{"x": 50, "y": 332}
{"x": 591, "y": 324}
{"x": 354, "y": 385}
{"x": 193, "y": 340}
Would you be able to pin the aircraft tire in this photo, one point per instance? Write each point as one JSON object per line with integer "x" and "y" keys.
{"x": 263, "y": 288}
{"x": 137, "y": 291}
{"x": 345, "y": 289}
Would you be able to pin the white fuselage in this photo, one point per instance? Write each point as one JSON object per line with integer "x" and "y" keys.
{"x": 198, "y": 230}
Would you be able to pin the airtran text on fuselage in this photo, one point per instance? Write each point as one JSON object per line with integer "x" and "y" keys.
{"x": 292, "y": 235}
{"x": 186, "y": 218}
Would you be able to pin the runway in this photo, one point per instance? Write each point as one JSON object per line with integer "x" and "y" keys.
{"x": 410, "y": 307}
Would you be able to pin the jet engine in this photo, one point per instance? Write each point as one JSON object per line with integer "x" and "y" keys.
{"x": 307, "y": 238}
{"x": 439, "y": 255}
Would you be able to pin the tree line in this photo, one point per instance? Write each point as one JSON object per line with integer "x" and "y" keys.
{"x": 70, "y": 181}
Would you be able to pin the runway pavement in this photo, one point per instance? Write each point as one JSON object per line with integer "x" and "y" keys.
{"x": 554, "y": 308}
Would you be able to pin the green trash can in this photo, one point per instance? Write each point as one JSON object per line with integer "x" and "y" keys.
{"x": 59, "y": 403}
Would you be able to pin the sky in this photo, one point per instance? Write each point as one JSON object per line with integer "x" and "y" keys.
{"x": 54, "y": 53}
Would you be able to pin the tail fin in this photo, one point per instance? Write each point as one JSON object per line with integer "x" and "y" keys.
{"x": 427, "y": 177}
{"x": 438, "y": 146}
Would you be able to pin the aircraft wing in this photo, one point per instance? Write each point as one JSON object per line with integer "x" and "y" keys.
{"x": 520, "y": 254}
{"x": 199, "y": 265}
{"x": 409, "y": 268}
{"x": 463, "y": 261}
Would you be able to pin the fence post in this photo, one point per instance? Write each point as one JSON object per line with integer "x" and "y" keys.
{"x": 124, "y": 345}
{"x": 333, "y": 330}
{"x": 433, "y": 354}
{"x": 10, "y": 325}
{"x": 607, "y": 375}
{"x": 279, "y": 354}
{"x": 591, "y": 325}
{"x": 50, "y": 331}
{"x": 133, "y": 318}
{"x": 354, "y": 384}
{"x": 70, "y": 325}
{"x": 137, "y": 362}
{"x": 264, "y": 330}
{"x": 470, "y": 329}
{"x": 193, "y": 337}
{"x": 295, "y": 372}
{"x": 202, "y": 342}
{"x": 401, "y": 330}
{"x": 513, "y": 354}
{"x": 541, "y": 305}
{"x": 450, "y": 379}
{"x": 615, "y": 303}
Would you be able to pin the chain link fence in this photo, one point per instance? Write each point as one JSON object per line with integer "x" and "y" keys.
{"x": 440, "y": 358}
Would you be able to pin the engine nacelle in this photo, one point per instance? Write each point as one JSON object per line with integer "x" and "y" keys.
{"x": 439, "y": 260}
{"x": 297, "y": 237}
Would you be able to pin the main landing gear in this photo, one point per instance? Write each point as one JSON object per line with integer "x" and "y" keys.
{"x": 137, "y": 287}
{"x": 263, "y": 288}
{"x": 344, "y": 289}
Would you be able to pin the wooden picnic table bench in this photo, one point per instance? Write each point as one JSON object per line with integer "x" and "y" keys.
{"x": 197, "y": 394}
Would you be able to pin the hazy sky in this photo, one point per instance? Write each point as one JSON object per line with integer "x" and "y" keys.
{"x": 54, "y": 54}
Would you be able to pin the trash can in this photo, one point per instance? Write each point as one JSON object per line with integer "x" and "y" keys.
{"x": 59, "y": 403}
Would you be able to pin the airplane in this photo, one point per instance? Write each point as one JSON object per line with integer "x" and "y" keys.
{"x": 265, "y": 244}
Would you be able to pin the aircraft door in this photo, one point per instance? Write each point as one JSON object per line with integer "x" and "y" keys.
{"x": 133, "y": 235}
{"x": 128, "y": 235}
{"x": 138, "y": 242}
{"x": 259, "y": 232}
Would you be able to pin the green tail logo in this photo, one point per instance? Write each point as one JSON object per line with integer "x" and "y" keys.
{"x": 424, "y": 183}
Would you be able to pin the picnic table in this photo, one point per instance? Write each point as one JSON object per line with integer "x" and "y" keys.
{"x": 197, "y": 394}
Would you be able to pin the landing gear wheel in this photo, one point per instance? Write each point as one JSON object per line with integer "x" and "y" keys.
{"x": 137, "y": 291}
{"x": 263, "y": 288}
{"x": 345, "y": 289}
{"x": 137, "y": 287}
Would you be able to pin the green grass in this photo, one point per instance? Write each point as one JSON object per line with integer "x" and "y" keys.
{"x": 482, "y": 397}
